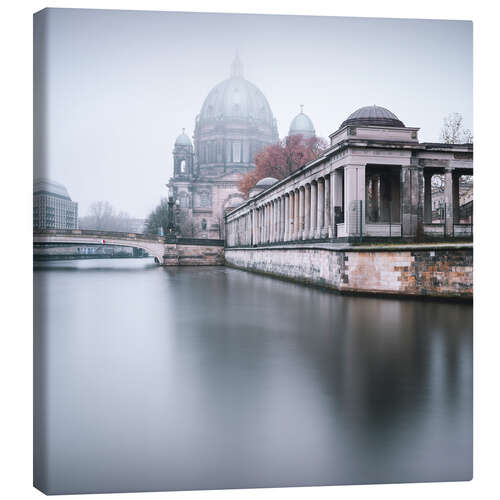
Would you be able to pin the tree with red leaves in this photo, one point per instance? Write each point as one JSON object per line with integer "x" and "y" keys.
{"x": 281, "y": 159}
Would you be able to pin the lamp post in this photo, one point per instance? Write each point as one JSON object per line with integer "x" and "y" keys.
{"x": 171, "y": 235}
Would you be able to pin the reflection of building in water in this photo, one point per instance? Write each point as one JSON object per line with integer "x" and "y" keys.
{"x": 52, "y": 206}
{"x": 235, "y": 122}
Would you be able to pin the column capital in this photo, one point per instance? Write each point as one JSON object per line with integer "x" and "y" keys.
{"x": 355, "y": 165}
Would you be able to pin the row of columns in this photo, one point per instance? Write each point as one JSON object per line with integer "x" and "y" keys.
{"x": 310, "y": 211}
{"x": 304, "y": 213}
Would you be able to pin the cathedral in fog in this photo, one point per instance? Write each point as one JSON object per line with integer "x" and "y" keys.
{"x": 235, "y": 123}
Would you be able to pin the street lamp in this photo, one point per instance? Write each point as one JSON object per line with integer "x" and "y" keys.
{"x": 171, "y": 225}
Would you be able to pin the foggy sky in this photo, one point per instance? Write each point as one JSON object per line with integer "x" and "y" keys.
{"x": 122, "y": 84}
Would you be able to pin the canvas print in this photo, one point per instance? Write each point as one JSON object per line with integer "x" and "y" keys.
{"x": 252, "y": 243}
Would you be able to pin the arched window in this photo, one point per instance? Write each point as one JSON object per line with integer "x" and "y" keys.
{"x": 203, "y": 224}
{"x": 183, "y": 166}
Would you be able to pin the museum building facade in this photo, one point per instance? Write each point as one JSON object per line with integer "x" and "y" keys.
{"x": 374, "y": 181}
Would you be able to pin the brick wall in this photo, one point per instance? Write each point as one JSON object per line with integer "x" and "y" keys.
{"x": 438, "y": 272}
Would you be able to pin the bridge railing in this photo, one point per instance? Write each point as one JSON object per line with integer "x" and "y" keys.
{"x": 126, "y": 236}
{"x": 92, "y": 232}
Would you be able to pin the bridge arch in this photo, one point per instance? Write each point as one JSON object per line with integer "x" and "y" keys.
{"x": 153, "y": 246}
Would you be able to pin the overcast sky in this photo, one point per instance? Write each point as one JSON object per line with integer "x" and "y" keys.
{"x": 121, "y": 85}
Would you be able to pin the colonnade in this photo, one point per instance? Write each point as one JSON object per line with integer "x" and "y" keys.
{"x": 305, "y": 212}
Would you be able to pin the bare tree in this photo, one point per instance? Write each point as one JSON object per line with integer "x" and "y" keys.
{"x": 102, "y": 217}
{"x": 453, "y": 131}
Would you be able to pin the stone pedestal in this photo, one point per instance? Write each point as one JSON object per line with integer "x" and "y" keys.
{"x": 170, "y": 255}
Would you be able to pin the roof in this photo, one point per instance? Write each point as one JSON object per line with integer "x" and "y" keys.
{"x": 183, "y": 140}
{"x": 266, "y": 181}
{"x": 302, "y": 125}
{"x": 373, "y": 115}
{"x": 236, "y": 97}
{"x": 44, "y": 185}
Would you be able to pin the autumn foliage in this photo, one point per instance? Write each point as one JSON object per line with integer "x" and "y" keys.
{"x": 281, "y": 159}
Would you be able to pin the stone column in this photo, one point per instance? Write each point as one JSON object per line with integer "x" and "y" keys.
{"x": 253, "y": 232}
{"x": 287, "y": 218}
{"x": 278, "y": 217}
{"x": 427, "y": 196}
{"x": 296, "y": 211}
{"x": 412, "y": 201}
{"x": 261, "y": 222}
{"x": 269, "y": 220}
{"x": 259, "y": 234}
{"x": 321, "y": 208}
{"x": 326, "y": 210}
{"x": 354, "y": 189}
{"x": 264, "y": 225}
{"x": 273, "y": 221}
{"x": 332, "y": 228}
{"x": 451, "y": 198}
{"x": 302, "y": 200}
{"x": 288, "y": 214}
{"x": 271, "y": 213}
{"x": 282, "y": 218}
{"x": 336, "y": 201}
{"x": 456, "y": 198}
{"x": 314, "y": 210}
{"x": 307, "y": 212}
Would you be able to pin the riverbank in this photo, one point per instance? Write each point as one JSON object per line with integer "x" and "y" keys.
{"x": 432, "y": 270}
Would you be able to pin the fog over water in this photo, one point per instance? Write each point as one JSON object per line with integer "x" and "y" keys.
{"x": 156, "y": 378}
{"x": 120, "y": 85}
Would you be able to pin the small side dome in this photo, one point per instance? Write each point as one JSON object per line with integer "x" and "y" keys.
{"x": 266, "y": 182}
{"x": 183, "y": 139}
{"x": 302, "y": 125}
{"x": 235, "y": 202}
{"x": 373, "y": 115}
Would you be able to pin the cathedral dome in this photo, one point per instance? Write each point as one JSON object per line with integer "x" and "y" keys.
{"x": 183, "y": 140}
{"x": 236, "y": 98}
{"x": 302, "y": 125}
{"x": 373, "y": 115}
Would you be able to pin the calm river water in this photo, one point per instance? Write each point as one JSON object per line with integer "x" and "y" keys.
{"x": 195, "y": 378}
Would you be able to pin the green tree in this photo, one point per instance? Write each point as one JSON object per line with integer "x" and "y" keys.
{"x": 157, "y": 220}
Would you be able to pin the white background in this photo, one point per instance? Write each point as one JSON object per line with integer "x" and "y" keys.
{"x": 15, "y": 258}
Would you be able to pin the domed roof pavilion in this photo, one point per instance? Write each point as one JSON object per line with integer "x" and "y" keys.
{"x": 372, "y": 115}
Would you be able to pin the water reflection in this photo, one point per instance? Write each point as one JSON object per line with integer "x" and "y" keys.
{"x": 215, "y": 378}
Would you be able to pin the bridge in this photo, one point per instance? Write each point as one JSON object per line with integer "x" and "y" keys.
{"x": 178, "y": 251}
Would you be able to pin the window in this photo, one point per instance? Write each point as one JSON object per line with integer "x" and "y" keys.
{"x": 183, "y": 166}
{"x": 203, "y": 224}
{"x": 237, "y": 152}
{"x": 204, "y": 199}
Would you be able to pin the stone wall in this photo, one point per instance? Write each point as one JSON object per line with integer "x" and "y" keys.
{"x": 425, "y": 270}
{"x": 193, "y": 255}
